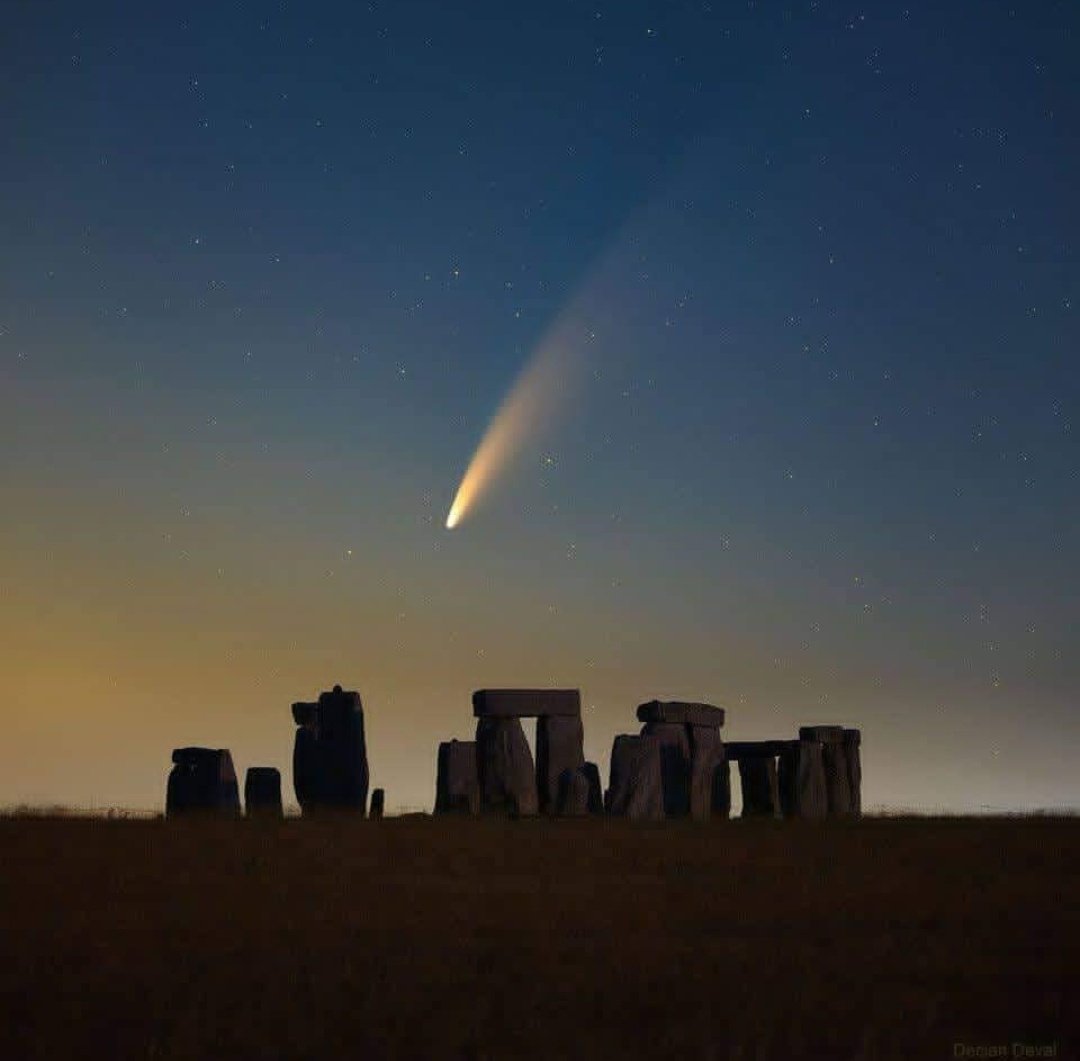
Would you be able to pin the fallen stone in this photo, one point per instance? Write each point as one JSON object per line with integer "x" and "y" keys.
{"x": 505, "y": 767}
{"x": 262, "y": 792}
{"x": 707, "y": 759}
{"x": 760, "y": 787}
{"x": 636, "y": 790}
{"x": 802, "y": 781}
{"x": 558, "y": 749}
{"x": 457, "y": 784}
{"x": 679, "y": 712}
{"x": 674, "y": 740}
{"x": 378, "y": 802}
{"x": 526, "y": 703}
{"x": 824, "y": 734}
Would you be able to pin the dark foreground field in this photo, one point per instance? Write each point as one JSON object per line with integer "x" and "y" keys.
{"x": 478, "y": 939}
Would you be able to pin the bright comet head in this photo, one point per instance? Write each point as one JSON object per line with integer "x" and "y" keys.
{"x": 536, "y": 395}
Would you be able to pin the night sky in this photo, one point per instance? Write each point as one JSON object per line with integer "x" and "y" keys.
{"x": 267, "y": 271}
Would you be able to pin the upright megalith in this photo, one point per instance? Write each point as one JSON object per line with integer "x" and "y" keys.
{"x": 457, "y": 785}
{"x": 834, "y": 760}
{"x": 692, "y": 762}
{"x": 596, "y": 789}
{"x": 674, "y": 741}
{"x": 262, "y": 792}
{"x": 572, "y": 800}
{"x": 202, "y": 780}
{"x": 802, "y": 780}
{"x": 636, "y": 790}
{"x": 710, "y": 791}
{"x": 760, "y": 787}
{"x": 330, "y": 768}
{"x": 378, "y": 804}
{"x": 853, "y": 759}
{"x": 559, "y": 748}
{"x": 506, "y": 771}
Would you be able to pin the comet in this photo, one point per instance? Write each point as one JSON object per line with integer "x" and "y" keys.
{"x": 537, "y": 395}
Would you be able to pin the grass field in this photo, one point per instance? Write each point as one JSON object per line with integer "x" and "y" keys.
{"x": 421, "y": 938}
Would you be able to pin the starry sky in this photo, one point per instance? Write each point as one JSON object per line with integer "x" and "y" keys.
{"x": 267, "y": 270}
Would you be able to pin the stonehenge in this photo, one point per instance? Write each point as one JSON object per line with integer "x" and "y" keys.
{"x": 202, "y": 780}
{"x": 330, "y": 767}
{"x": 262, "y": 792}
{"x": 676, "y": 766}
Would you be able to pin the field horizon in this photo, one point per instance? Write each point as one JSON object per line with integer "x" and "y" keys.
{"x": 489, "y": 938}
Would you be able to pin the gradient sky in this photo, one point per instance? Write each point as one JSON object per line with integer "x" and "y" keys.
{"x": 268, "y": 269}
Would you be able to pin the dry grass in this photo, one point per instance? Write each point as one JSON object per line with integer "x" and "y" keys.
{"x": 415, "y": 938}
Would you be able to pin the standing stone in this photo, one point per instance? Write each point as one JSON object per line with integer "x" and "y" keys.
{"x": 573, "y": 795}
{"x": 674, "y": 740}
{"x": 706, "y": 760}
{"x": 202, "y": 780}
{"x": 558, "y": 748}
{"x": 378, "y": 801}
{"x": 760, "y": 787}
{"x": 802, "y": 781}
{"x": 837, "y": 780}
{"x": 506, "y": 772}
{"x": 721, "y": 791}
{"x": 330, "y": 753}
{"x": 262, "y": 792}
{"x": 636, "y": 790}
{"x": 457, "y": 785}
{"x": 526, "y": 703}
{"x": 852, "y": 741}
{"x": 596, "y": 791}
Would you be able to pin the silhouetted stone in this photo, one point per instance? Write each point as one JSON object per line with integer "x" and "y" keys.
{"x": 305, "y": 714}
{"x": 596, "y": 791}
{"x": 202, "y": 780}
{"x": 674, "y": 739}
{"x": 837, "y": 780}
{"x": 852, "y": 742}
{"x": 679, "y": 712}
{"x": 506, "y": 772}
{"x": 262, "y": 792}
{"x": 526, "y": 703}
{"x": 721, "y": 791}
{"x": 378, "y": 801}
{"x": 636, "y": 790}
{"x": 760, "y": 787}
{"x": 802, "y": 781}
{"x": 330, "y": 767}
{"x": 706, "y": 760}
{"x": 573, "y": 794}
{"x": 558, "y": 749}
{"x": 823, "y": 734}
{"x": 457, "y": 783}
{"x": 755, "y": 749}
